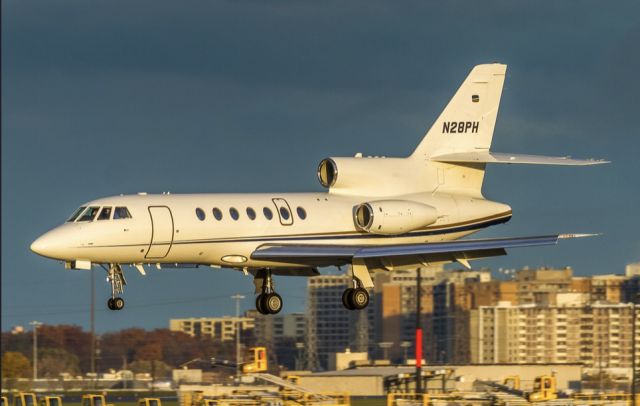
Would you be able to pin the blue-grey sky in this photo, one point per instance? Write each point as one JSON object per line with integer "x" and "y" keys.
{"x": 102, "y": 98}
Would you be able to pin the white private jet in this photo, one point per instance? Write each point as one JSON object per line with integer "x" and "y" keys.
{"x": 378, "y": 213}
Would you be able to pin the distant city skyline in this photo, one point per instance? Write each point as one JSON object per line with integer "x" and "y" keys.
{"x": 155, "y": 96}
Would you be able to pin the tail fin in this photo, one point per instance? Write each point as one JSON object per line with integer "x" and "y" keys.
{"x": 467, "y": 123}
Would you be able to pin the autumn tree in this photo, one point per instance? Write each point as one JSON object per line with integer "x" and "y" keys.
{"x": 54, "y": 361}
{"x": 157, "y": 369}
{"x": 15, "y": 365}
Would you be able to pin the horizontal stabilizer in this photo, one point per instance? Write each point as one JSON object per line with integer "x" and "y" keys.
{"x": 487, "y": 157}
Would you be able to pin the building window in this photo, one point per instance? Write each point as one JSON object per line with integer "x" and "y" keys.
{"x": 200, "y": 214}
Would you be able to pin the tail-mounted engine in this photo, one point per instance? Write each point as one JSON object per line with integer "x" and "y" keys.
{"x": 389, "y": 217}
{"x": 371, "y": 176}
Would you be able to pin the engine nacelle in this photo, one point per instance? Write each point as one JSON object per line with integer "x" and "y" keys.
{"x": 390, "y": 217}
{"x": 369, "y": 176}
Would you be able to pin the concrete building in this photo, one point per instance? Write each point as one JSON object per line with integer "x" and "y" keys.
{"x": 631, "y": 286}
{"x": 632, "y": 270}
{"x": 217, "y": 328}
{"x": 574, "y": 330}
{"x": 330, "y": 327}
{"x": 374, "y": 380}
{"x": 343, "y": 360}
{"x": 396, "y": 309}
{"x": 282, "y": 334}
{"x": 273, "y": 329}
{"x": 445, "y": 302}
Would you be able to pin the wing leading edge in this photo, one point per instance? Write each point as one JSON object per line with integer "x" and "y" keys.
{"x": 348, "y": 252}
{"x": 390, "y": 256}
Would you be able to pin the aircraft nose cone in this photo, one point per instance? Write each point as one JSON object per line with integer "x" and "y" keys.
{"x": 41, "y": 245}
{"x": 49, "y": 244}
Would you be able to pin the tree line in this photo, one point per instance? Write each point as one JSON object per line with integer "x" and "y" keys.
{"x": 67, "y": 349}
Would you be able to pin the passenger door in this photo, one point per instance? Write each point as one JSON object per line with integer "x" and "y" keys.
{"x": 284, "y": 211}
{"x": 161, "y": 232}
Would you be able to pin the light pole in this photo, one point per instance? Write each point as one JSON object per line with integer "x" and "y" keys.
{"x": 385, "y": 348}
{"x": 418, "y": 331}
{"x": 300, "y": 360}
{"x": 92, "y": 308}
{"x": 35, "y": 325}
{"x": 238, "y": 298}
{"x": 405, "y": 346}
{"x": 634, "y": 330}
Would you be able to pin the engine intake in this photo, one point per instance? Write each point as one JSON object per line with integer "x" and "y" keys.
{"x": 327, "y": 172}
{"x": 389, "y": 217}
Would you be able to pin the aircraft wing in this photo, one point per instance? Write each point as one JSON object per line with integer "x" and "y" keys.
{"x": 488, "y": 157}
{"x": 382, "y": 255}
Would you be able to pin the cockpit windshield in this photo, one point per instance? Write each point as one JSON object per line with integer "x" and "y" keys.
{"x": 89, "y": 214}
{"x": 75, "y": 214}
{"x": 105, "y": 214}
{"x": 121, "y": 213}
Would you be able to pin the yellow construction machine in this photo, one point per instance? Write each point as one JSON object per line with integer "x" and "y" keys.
{"x": 255, "y": 360}
{"x": 544, "y": 388}
{"x": 94, "y": 400}
{"x": 51, "y": 401}
{"x": 149, "y": 402}
{"x": 513, "y": 382}
{"x": 24, "y": 399}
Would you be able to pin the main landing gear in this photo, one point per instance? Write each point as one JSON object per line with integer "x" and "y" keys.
{"x": 115, "y": 277}
{"x": 268, "y": 301}
{"x": 356, "y": 297}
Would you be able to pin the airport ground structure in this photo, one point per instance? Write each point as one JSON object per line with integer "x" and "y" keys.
{"x": 526, "y": 317}
{"x": 477, "y": 327}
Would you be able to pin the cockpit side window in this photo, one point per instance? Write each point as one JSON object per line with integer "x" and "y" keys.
{"x": 105, "y": 214}
{"x": 89, "y": 214}
{"x": 75, "y": 214}
{"x": 121, "y": 213}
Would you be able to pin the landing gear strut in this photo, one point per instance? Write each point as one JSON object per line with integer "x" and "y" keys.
{"x": 356, "y": 297}
{"x": 115, "y": 277}
{"x": 268, "y": 301}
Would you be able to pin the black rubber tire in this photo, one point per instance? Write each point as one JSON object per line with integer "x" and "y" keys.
{"x": 272, "y": 303}
{"x": 118, "y": 303}
{"x": 359, "y": 298}
{"x": 259, "y": 306}
{"x": 346, "y": 299}
{"x": 110, "y": 304}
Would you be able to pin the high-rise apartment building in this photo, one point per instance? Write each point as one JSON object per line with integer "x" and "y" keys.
{"x": 445, "y": 303}
{"x": 332, "y": 328}
{"x": 572, "y": 330}
{"x": 282, "y": 334}
{"x": 217, "y": 328}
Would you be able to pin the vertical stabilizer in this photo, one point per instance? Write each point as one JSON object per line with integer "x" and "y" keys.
{"x": 467, "y": 123}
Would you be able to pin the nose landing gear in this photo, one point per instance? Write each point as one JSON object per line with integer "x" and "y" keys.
{"x": 115, "y": 277}
{"x": 116, "y": 303}
{"x": 268, "y": 302}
